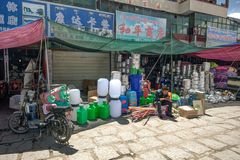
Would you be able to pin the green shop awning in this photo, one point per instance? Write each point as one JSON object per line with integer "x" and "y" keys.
{"x": 91, "y": 42}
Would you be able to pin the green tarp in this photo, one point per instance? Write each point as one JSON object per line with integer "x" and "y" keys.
{"x": 91, "y": 42}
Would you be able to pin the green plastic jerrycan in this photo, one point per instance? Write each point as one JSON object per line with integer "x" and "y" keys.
{"x": 104, "y": 111}
{"x": 82, "y": 115}
{"x": 91, "y": 112}
{"x": 142, "y": 101}
{"x": 97, "y": 109}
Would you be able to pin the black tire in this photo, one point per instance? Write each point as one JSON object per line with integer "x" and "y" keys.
{"x": 62, "y": 131}
{"x": 18, "y": 123}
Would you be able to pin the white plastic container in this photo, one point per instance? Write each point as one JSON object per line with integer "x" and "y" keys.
{"x": 206, "y": 66}
{"x": 102, "y": 87}
{"x": 116, "y": 75}
{"x": 186, "y": 84}
{"x": 75, "y": 98}
{"x": 115, "y": 88}
{"x": 74, "y": 113}
{"x": 115, "y": 108}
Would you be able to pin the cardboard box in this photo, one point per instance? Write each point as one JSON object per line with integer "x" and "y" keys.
{"x": 187, "y": 112}
{"x": 92, "y": 93}
{"x": 199, "y": 106}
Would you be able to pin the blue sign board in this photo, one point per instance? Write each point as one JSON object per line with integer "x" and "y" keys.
{"x": 100, "y": 23}
{"x": 10, "y": 14}
{"x": 218, "y": 36}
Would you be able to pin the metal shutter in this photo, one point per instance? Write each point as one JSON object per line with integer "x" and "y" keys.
{"x": 74, "y": 67}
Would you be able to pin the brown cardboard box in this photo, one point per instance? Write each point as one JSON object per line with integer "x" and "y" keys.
{"x": 92, "y": 99}
{"x": 88, "y": 85}
{"x": 187, "y": 112}
{"x": 92, "y": 93}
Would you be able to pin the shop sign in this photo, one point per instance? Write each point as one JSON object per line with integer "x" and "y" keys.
{"x": 100, "y": 23}
{"x": 130, "y": 26}
{"x": 10, "y": 14}
{"x": 217, "y": 37}
{"x": 33, "y": 11}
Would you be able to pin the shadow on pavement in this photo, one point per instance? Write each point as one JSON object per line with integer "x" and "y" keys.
{"x": 23, "y": 145}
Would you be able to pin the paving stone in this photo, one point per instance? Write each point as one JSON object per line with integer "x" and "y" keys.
{"x": 150, "y": 142}
{"x": 228, "y": 139}
{"x": 169, "y": 127}
{"x": 81, "y": 156}
{"x": 185, "y": 135}
{"x": 199, "y": 121}
{"x": 200, "y": 131}
{"x": 227, "y": 155}
{"x": 109, "y": 130}
{"x": 126, "y": 136}
{"x": 206, "y": 158}
{"x": 145, "y": 133}
{"x": 35, "y": 155}
{"x": 126, "y": 158}
{"x": 83, "y": 143}
{"x": 175, "y": 153}
{"x": 154, "y": 122}
{"x": 216, "y": 145}
{"x": 122, "y": 148}
{"x": 89, "y": 133}
{"x": 136, "y": 147}
{"x": 106, "y": 140}
{"x": 211, "y": 130}
{"x": 152, "y": 155}
{"x": 227, "y": 116}
{"x": 105, "y": 153}
{"x": 236, "y": 149}
{"x": 227, "y": 126}
{"x": 234, "y": 133}
{"x": 9, "y": 157}
{"x": 170, "y": 139}
{"x": 56, "y": 158}
{"x": 213, "y": 119}
{"x": 233, "y": 122}
{"x": 195, "y": 147}
{"x": 186, "y": 124}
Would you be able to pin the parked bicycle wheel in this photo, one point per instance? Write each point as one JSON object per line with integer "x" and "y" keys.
{"x": 18, "y": 122}
{"x": 61, "y": 129}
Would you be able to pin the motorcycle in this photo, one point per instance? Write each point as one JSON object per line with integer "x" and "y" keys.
{"x": 54, "y": 123}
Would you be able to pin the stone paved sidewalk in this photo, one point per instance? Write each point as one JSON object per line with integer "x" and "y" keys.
{"x": 213, "y": 136}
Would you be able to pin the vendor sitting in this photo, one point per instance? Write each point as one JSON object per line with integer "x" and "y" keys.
{"x": 165, "y": 97}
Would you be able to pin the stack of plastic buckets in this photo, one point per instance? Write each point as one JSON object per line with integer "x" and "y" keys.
{"x": 135, "y": 83}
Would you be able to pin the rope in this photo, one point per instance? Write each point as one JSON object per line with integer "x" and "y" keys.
{"x": 156, "y": 62}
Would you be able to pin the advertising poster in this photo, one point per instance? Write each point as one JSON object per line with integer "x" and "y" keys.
{"x": 217, "y": 37}
{"x": 96, "y": 22}
{"x": 130, "y": 26}
{"x": 10, "y": 14}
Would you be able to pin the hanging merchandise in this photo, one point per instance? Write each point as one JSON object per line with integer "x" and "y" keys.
{"x": 189, "y": 70}
{"x": 206, "y": 66}
{"x": 82, "y": 115}
{"x": 202, "y": 81}
{"x": 116, "y": 75}
{"x": 123, "y": 90}
{"x": 102, "y": 87}
{"x": 184, "y": 71}
{"x": 115, "y": 88}
{"x": 115, "y": 108}
{"x": 195, "y": 80}
{"x": 125, "y": 80}
{"x": 119, "y": 58}
{"x": 163, "y": 71}
{"x": 186, "y": 84}
{"x": 207, "y": 81}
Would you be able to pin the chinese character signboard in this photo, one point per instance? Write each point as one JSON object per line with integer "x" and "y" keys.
{"x": 136, "y": 27}
{"x": 10, "y": 14}
{"x": 217, "y": 37}
{"x": 100, "y": 23}
{"x": 33, "y": 11}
